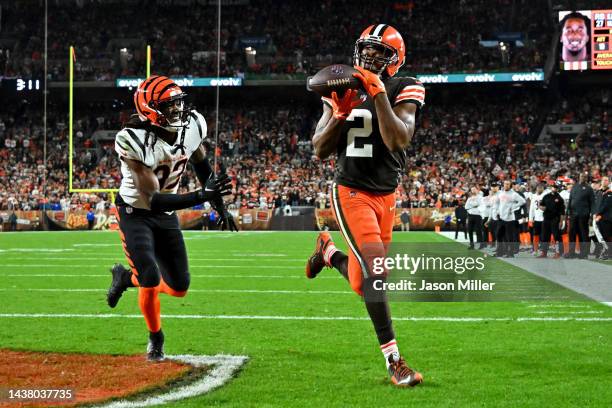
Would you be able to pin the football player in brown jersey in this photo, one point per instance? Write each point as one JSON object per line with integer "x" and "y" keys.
{"x": 369, "y": 131}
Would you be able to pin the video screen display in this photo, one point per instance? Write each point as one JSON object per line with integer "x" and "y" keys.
{"x": 586, "y": 40}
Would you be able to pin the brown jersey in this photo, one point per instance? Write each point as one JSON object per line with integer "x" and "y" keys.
{"x": 364, "y": 162}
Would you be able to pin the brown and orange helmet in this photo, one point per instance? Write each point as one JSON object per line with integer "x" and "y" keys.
{"x": 388, "y": 40}
{"x": 152, "y": 99}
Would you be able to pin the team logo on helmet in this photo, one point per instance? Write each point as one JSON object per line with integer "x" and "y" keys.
{"x": 391, "y": 44}
{"x": 160, "y": 101}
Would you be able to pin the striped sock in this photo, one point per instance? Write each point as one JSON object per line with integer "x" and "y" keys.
{"x": 329, "y": 252}
{"x": 389, "y": 349}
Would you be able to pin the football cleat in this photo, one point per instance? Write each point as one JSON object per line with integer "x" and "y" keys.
{"x": 401, "y": 374}
{"x": 121, "y": 281}
{"x": 316, "y": 262}
{"x": 155, "y": 347}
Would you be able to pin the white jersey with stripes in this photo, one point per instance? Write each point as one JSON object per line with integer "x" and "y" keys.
{"x": 168, "y": 162}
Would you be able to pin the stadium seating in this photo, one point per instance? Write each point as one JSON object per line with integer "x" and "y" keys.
{"x": 290, "y": 38}
{"x": 267, "y": 151}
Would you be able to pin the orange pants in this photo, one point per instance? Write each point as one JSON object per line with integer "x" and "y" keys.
{"x": 364, "y": 218}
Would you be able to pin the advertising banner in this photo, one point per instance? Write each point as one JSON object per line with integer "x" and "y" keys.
{"x": 184, "y": 81}
{"x": 20, "y": 221}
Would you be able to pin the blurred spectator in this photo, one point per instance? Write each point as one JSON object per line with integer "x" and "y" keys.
{"x": 268, "y": 153}
{"x": 290, "y": 37}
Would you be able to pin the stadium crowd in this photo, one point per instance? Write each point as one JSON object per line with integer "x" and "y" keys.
{"x": 268, "y": 153}
{"x": 290, "y": 37}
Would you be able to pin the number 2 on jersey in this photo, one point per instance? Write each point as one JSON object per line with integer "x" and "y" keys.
{"x": 354, "y": 133}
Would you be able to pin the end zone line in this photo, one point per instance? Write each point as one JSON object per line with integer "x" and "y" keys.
{"x": 303, "y": 318}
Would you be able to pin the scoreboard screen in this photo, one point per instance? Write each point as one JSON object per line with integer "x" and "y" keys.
{"x": 586, "y": 40}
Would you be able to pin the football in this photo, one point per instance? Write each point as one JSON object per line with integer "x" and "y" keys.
{"x": 337, "y": 77}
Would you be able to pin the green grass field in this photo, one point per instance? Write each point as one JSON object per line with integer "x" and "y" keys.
{"x": 249, "y": 296}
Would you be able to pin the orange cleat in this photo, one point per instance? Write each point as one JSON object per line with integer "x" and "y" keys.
{"x": 401, "y": 374}
{"x": 316, "y": 262}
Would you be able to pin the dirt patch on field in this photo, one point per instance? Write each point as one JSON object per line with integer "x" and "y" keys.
{"x": 91, "y": 377}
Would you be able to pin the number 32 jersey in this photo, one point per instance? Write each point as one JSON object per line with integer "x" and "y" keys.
{"x": 364, "y": 162}
{"x": 167, "y": 161}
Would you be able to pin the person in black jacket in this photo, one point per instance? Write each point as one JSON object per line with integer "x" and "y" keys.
{"x": 603, "y": 217}
{"x": 461, "y": 215}
{"x": 12, "y": 221}
{"x": 553, "y": 206}
{"x": 580, "y": 208}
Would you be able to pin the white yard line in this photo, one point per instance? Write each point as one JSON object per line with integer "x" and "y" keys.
{"x": 300, "y": 318}
{"x": 545, "y": 305}
{"x": 72, "y": 266}
{"x": 36, "y": 250}
{"x": 110, "y": 259}
{"x": 565, "y": 312}
{"x": 107, "y": 275}
{"x": 270, "y": 291}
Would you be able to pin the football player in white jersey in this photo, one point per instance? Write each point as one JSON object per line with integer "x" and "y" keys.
{"x": 154, "y": 149}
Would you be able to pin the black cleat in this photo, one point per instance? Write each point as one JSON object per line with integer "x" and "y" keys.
{"x": 122, "y": 279}
{"x": 155, "y": 347}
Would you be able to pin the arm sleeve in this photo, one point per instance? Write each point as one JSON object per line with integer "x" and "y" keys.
{"x": 171, "y": 202}
{"x": 203, "y": 170}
